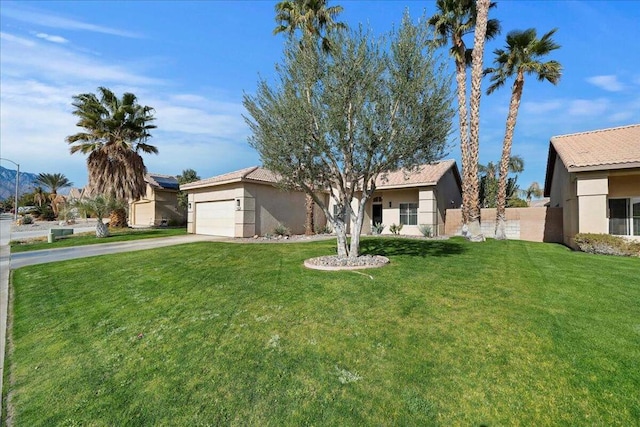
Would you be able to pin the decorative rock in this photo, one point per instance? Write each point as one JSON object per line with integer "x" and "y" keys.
{"x": 334, "y": 262}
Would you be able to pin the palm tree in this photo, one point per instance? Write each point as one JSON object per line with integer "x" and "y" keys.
{"x": 489, "y": 181}
{"x": 54, "y": 181}
{"x": 454, "y": 20}
{"x": 479, "y": 38}
{"x": 315, "y": 20}
{"x": 100, "y": 206}
{"x": 312, "y": 17}
{"x": 116, "y": 131}
{"x": 532, "y": 191}
{"x": 39, "y": 196}
{"x": 522, "y": 55}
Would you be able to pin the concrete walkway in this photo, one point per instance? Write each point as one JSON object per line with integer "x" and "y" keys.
{"x": 8, "y": 262}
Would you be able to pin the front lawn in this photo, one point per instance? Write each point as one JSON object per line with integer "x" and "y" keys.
{"x": 450, "y": 333}
{"x": 89, "y": 238}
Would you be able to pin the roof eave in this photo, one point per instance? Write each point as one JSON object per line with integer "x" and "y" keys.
{"x": 613, "y": 166}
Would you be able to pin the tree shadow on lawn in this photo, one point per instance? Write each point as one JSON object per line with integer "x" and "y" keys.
{"x": 422, "y": 248}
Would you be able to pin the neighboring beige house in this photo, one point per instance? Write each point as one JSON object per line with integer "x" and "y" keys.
{"x": 160, "y": 205}
{"x": 248, "y": 202}
{"x": 245, "y": 203}
{"x": 595, "y": 177}
{"x": 414, "y": 198}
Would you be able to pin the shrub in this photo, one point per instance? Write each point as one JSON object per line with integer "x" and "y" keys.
{"x": 425, "y": 230}
{"x": 606, "y": 244}
{"x": 26, "y": 219}
{"x": 281, "y": 230}
{"x": 377, "y": 228}
{"x": 325, "y": 229}
{"x": 395, "y": 229}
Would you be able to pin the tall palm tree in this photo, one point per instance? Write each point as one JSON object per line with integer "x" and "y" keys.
{"x": 477, "y": 55}
{"x": 315, "y": 20}
{"x": 522, "y": 55}
{"x": 39, "y": 196}
{"x": 54, "y": 181}
{"x": 455, "y": 19}
{"x": 116, "y": 131}
{"x": 313, "y": 17}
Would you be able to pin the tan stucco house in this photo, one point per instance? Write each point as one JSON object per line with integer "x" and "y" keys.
{"x": 245, "y": 203}
{"x": 159, "y": 206}
{"x": 249, "y": 202}
{"x": 595, "y": 178}
{"x": 414, "y": 198}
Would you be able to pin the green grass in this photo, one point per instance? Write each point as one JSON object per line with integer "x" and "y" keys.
{"x": 450, "y": 333}
{"x": 89, "y": 238}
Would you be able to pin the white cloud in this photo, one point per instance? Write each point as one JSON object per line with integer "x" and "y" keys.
{"x": 543, "y": 107}
{"x": 609, "y": 83}
{"x": 53, "y": 39}
{"x": 33, "y": 16}
{"x": 587, "y": 107}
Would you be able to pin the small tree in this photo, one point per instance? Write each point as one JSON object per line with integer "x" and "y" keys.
{"x": 187, "y": 176}
{"x": 99, "y": 206}
{"x": 372, "y": 108}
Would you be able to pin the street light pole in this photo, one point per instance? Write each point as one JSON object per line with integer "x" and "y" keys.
{"x": 15, "y": 205}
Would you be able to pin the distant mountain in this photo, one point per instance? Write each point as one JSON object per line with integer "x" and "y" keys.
{"x": 26, "y": 183}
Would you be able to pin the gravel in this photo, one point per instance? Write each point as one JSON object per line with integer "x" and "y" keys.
{"x": 335, "y": 262}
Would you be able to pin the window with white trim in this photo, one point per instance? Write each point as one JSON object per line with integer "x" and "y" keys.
{"x": 624, "y": 216}
{"x": 409, "y": 213}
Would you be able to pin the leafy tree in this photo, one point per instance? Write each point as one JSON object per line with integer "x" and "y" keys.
{"x": 187, "y": 176}
{"x": 314, "y": 19}
{"x": 372, "y": 108}
{"x": 453, "y": 20}
{"x": 116, "y": 131}
{"x": 522, "y": 55}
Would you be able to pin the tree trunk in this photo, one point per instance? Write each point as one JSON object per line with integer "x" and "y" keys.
{"x": 501, "y": 203}
{"x": 475, "y": 233}
{"x": 461, "y": 81}
{"x": 309, "y": 223}
{"x": 101, "y": 229}
{"x": 356, "y": 231}
{"x": 341, "y": 237}
{"x": 118, "y": 218}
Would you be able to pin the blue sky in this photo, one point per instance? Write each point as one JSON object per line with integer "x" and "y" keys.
{"x": 192, "y": 62}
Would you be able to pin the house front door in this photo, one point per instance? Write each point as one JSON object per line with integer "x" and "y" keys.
{"x": 376, "y": 214}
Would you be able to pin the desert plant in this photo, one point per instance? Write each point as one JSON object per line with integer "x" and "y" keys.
{"x": 26, "y": 220}
{"x": 281, "y": 230}
{"x": 395, "y": 229}
{"x": 325, "y": 229}
{"x": 426, "y": 230}
{"x": 606, "y": 244}
{"x": 377, "y": 228}
{"x": 67, "y": 214}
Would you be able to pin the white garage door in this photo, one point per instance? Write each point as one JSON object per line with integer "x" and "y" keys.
{"x": 216, "y": 218}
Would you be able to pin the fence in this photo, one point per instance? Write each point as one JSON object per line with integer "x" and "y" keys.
{"x": 531, "y": 224}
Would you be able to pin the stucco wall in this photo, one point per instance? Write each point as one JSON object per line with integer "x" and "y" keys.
{"x": 530, "y": 224}
{"x": 624, "y": 184}
{"x": 156, "y": 206}
{"x": 448, "y": 196}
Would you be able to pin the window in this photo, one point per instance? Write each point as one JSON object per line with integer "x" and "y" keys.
{"x": 409, "y": 213}
{"x": 624, "y": 217}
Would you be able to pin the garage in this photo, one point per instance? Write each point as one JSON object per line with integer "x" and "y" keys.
{"x": 216, "y": 218}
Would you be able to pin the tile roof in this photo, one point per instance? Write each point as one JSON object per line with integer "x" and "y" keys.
{"x": 253, "y": 173}
{"x": 613, "y": 148}
{"x": 425, "y": 175}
